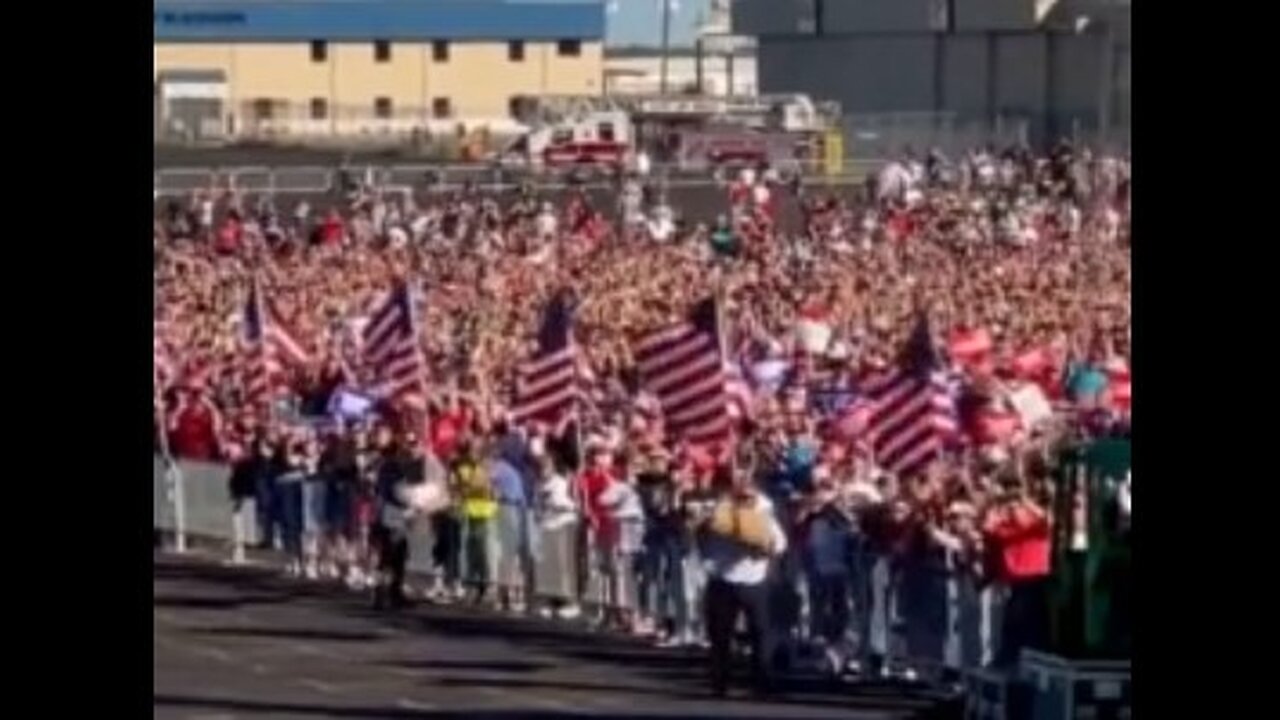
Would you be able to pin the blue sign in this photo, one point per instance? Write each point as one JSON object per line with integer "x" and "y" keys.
{"x": 367, "y": 20}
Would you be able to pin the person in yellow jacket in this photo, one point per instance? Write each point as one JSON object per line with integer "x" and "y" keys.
{"x": 478, "y": 507}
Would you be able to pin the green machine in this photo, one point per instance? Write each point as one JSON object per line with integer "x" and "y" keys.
{"x": 1090, "y": 605}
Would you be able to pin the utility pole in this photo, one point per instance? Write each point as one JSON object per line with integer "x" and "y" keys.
{"x": 666, "y": 43}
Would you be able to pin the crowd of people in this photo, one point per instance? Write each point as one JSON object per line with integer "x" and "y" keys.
{"x": 1019, "y": 261}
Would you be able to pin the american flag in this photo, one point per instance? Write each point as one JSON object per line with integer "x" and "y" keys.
{"x": 913, "y": 412}
{"x": 272, "y": 347}
{"x": 547, "y": 386}
{"x": 683, "y": 366}
{"x": 390, "y": 347}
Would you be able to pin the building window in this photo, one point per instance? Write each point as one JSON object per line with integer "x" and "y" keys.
{"x": 319, "y": 51}
{"x": 515, "y": 51}
{"x": 440, "y": 51}
{"x": 382, "y": 51}
{"x": 319, "y": 109}
{"x": 515, "y": 106}
{"x": 263, "y": 109}
{"x": 569, "y": 48}
{"x": 441, "y": 108}
{"x": 382, "y": 108}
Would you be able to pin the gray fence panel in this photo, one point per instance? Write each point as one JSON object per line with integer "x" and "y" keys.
{"x": 206, "y": 500}
{"x": 162, "y": 498}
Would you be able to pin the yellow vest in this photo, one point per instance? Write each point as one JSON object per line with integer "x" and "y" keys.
{"x": 476, "y": 492}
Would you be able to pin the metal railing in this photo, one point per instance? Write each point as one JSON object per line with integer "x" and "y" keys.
{"x": 920, "y": 618}
{"x": 317, "y": 179}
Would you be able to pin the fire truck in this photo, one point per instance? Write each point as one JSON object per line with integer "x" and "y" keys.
{"x": 690, "y": 133}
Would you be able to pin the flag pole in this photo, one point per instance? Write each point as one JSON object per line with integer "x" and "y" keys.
{"x": 582, "y": 536}
{"x": 415, "y": 329}
{"x": 721, "y": 339}
{"x": 173, "y": 478}
{"x": 264, "y": 533}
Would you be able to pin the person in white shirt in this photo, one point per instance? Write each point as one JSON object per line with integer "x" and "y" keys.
{"x": 547, "y": 223}
{"x": 739, "y": 543}
{"x": 662, "y": 226}
{"x": 621, "y": 502}
{"x": 558, "y": 519}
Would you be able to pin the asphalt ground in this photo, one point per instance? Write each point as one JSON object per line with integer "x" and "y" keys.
{"x": 243, "y": 642}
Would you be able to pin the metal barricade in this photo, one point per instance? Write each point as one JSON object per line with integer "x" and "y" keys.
{"x": 191, "y": 499}
{"x": 924, "y": 619}
{"x": 927, "y": 617}
{"x": 177, "y": 182}
{"x": 318, "y": 180}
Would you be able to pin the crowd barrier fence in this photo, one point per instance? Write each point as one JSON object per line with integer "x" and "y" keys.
{"x": 318, "y": 179}
{"x": 923, "y": 618}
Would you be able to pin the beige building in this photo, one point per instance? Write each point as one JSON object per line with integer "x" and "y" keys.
{"x": 268, "y": 70}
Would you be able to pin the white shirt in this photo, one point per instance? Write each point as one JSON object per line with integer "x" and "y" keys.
{"x": 546, "y": 224}
{"x": 1125, "y": 497}
{"x": 397, "y": 237}
{"x": 622, "y": 501}
{"x": 661, "y": 228}
{"x": 642, "y": 164}
{"x": 729, "y": 561}
{"x": 558, "y": 507}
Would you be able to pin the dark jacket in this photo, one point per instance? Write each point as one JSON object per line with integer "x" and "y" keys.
{"x": 245, "y": 475}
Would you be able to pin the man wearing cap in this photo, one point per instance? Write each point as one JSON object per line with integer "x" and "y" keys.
{"x": 739, "y": 542}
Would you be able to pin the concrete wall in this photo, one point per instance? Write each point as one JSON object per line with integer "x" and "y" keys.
{"x": 478, "y": 78}
{"x": 854, "y": 70}
{"x": 1052, "y": 81}
{"x": 883, "y": 16}
{"x": 993, "y": 15}
{"x": 774, "y": 17}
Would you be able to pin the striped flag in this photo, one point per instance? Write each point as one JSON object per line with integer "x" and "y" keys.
{"x": 547, "y": 386}
{"x": 390, "y": 347}
{"x": 273, "y": 348}
{"x": 913, "y": 412}
{"x": 683, "y": 366}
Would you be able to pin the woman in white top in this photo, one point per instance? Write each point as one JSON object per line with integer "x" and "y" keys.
{"x": 622, "y": 503}
{"x": 558, "y": 520}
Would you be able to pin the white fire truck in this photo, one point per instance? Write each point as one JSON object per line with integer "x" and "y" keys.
{"x": 687, "y": 132}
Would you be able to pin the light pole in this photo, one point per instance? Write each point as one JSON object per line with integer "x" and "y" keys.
{"x": 667, "y": 7}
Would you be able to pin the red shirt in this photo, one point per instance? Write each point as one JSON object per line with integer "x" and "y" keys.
{"x": 446, "y": 430}
{"x": 229, "y": 237}
{"x": 331, "y": 230}
{"x": 195, "y": 436}
{"x": 591, "y": 483}
{"x": 1020, "y": 541}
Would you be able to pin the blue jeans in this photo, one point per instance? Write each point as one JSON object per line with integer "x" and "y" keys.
{"x": 873, "y": 595}
{"x": 289, "y": 502}
{"x": 662, "y": 580}
{"x": 923, "y": 600}
{"x": 267, "y": 506}
{"x": 829, "y": 603}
